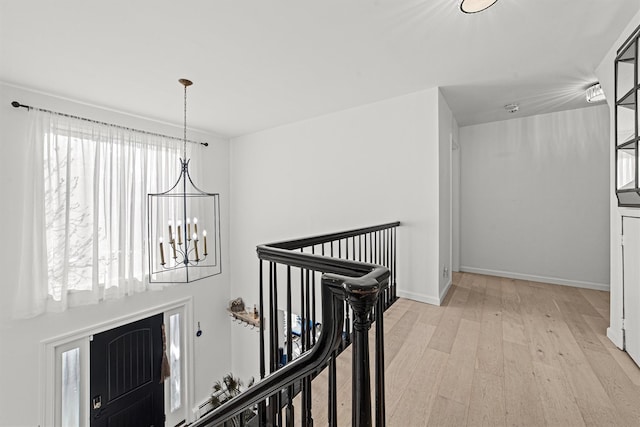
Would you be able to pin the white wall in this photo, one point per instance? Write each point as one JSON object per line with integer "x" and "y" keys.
{"x": 605, "y": 76}
{"x": 20, "y": 339}
{"x": 359, "y": 167}
{"x": 535, "y": 197}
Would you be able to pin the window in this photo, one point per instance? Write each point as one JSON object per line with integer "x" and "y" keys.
{"x": 68, "y": 384}
{"x": 175, "y": 361}
{"x": 88, "y": 184}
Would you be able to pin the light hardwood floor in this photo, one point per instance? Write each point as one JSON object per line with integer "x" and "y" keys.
{"x": 499, "y": 352}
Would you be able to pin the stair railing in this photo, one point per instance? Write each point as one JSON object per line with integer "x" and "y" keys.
{"x": 353, "y": 292}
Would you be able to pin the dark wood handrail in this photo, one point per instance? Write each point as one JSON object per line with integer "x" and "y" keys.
{"x": 326, "y": 238}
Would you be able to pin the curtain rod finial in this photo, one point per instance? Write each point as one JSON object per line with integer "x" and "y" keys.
{"x": 16, "y": 104}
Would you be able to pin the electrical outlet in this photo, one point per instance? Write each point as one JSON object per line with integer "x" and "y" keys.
{"x": 445, "y": 272}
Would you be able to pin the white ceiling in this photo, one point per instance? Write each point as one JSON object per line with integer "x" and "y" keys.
{"x": 259, "y": 64}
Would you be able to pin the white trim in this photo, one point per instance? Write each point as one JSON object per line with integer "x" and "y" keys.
{"x": 615, "y": 335}
{"x": 445, "y": 290}
{"x": 534, "y": 278}
{"x": 48, "y": 351}
{"x": 418, "y": 297}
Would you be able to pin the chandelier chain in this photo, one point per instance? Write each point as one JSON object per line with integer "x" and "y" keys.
{"x": 184, "y": 148}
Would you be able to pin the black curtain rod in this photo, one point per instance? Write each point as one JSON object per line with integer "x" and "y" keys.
{"x": 16, "y": 104}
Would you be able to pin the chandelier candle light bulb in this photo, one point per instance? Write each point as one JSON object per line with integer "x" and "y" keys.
{"x": 161, "y": 252}
{"x": 204, "y": 236}
{"x": 195, "y": 245}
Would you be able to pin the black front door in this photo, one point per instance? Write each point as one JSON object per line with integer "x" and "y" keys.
{"x": 125, "y": 387}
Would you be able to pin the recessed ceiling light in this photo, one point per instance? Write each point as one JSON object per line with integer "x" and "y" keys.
{"x": 595, "y": 93}
{"x": 475, "y": 6}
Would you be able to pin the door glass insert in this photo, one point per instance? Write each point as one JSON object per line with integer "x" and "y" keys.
{"x": 70, "y": 392}
{"x": 175, "y": 361}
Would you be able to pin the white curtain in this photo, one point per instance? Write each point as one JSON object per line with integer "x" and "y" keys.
{"x": 84, "y": 213}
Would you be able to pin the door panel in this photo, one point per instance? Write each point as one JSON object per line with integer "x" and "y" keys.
{"x": 631, "y": 286}
{"x": 125, "y": 386}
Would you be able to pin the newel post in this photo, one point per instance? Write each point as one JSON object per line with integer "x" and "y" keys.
{"x": 362, "y": 298}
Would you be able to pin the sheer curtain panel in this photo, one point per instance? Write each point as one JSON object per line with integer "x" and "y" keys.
{"x": 84, "y": 213}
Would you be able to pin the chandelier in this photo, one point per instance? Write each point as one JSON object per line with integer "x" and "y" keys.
{"x": 183, "y": 226}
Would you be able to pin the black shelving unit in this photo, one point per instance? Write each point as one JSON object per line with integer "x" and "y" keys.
{"x": 627, "y": 86}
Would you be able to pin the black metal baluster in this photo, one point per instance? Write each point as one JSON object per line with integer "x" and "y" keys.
{"x": 309, "y": 333}
{"x": 380, "y": 396}
{"x": 262, "y": 413}
{"x": 333, "y": 392}
{"x": 273, "y": 339}
{"x": 313, "y": 302}
{"x": 388, "y": 265}
{"x": 290, "y": 389}
{"x": 303, "y": 343}
{"x": 395, "y": 249}
{"x": 339, "y": 248}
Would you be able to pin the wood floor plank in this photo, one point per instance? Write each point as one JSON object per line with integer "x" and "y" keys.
{"x": 447, "y": 329}
{"x": 624, "y": 395}
{"x": 558, "y": 404}
{"x": 456, "y": 384}
{"x": 473, "y": 305}
{"x": 576, "y": 299}
{"x": 487, "y": 404}
{"x": 580, "y": 329}
{"x": 397, "y": 376}
{"x": 489, "y": 358}
{"x": 397, "y": 336}
{"x": 447, "y": 413}
{"x": 512, "y": 325}
{"x": 416, "y": 400}
{"x": 523, "y": 406}
{"x": 591, "y": 398}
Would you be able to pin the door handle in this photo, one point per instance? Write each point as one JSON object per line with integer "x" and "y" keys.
{"x": 97, "y": 402}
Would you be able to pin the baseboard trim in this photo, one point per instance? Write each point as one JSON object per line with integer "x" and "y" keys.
{"x": 615, "y": 335}
{"x": 418, "y": 297}
{"x": 533, "y": 278}
{"x": 444, "y": 292}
